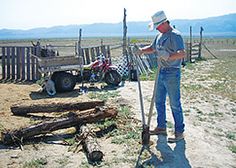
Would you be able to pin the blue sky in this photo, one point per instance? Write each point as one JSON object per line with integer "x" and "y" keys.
{"x": 27, "y": 14}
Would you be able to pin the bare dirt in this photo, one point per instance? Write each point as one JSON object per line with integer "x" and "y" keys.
{"x": 210, "y": 118}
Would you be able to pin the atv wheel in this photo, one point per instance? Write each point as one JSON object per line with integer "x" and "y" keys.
{"x": 112, "y": 78}
{"x": 64, "y": 81}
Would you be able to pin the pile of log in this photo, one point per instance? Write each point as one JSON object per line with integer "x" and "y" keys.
{"x": 24, "y": 109}
{"x": 82, "y": 113}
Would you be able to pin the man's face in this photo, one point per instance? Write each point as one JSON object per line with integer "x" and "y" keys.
{"x": 162, "y": 27}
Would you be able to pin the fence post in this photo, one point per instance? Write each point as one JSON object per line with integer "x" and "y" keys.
{"x": 97, "y": 51}
{"x": 22, "y": 63}
{"x": 13, "y": 62}
{"x": 8, "y": 63}
{"x": 18, "y": 63}
{"x": 92, "y": 54}
{"x": 190, "y": 45}
{"x": 87, "y": 55}
{"x": 124, "y": 34}
{"x": 200, "y": 43}
{"x": 3, "y": 63}
{"x": 79, "y": 42}
{"x": 109, "y": 53}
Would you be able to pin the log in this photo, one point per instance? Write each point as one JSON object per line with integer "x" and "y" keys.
{"x": 23, "y": 109}
{"x": 90, "y": 144}
{"x": 75, "y": 119}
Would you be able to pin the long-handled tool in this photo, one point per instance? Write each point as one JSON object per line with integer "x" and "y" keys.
{"x": 153, "y": 97}
{"x": 146, "y": 126}
{"x": 145, "y": 131}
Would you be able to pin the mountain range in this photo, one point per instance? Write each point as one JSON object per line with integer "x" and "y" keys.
{"x": 220, "y": 26}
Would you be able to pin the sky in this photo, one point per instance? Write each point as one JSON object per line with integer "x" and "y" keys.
{"x": 27, "y": 14}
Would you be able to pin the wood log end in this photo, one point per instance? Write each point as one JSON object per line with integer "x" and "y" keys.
{"x": 95, "y": 156}
{"x": 6, "y": 138}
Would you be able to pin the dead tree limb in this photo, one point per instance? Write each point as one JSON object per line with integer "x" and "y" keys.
{"x": 209, "y": 51}
{"x": 90, "y": 144}
{"x": 23, "y": 109}
{"x": 76, "y": 119}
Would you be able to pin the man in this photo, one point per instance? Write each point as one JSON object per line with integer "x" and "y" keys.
{"x": 169, "y": 48}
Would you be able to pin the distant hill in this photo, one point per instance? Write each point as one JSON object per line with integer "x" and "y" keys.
{"x": 213, "y": 26}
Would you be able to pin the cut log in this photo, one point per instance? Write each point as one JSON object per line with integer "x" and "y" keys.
{"x": 23, "y": 109}
{"x": 90, "y": 144}
{"x": 75, "y": 119}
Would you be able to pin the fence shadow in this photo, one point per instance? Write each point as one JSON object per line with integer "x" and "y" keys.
{"x": 174, "y": 158}
{"x": 35, "y": 95}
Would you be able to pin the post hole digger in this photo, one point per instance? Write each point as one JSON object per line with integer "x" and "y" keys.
{"x": 145, "y": 126}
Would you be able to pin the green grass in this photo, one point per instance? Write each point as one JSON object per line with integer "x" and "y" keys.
{"x": 104, "y": 95}
{"x": 170, "y": 124}
{"x": 2, "y": 128}
{"x": 192, "y": 87}
{"x": 231, "y": 136}
{"x": 63, "y": 161}
{"x": 35, "y": 163}
{"x": 224, "y": 73}
{"x": 128, "y": 132}
{"x": 232, "y": 148}
{"x": 124, "y": 112}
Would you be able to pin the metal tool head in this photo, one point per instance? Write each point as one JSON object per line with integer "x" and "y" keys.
{"x": 145, "y": 135}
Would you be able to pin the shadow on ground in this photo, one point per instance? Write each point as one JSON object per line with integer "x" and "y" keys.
{"x": 35, "y": 95}
{"x": 170, "y": 158}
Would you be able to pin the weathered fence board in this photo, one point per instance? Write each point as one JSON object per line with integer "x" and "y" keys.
{"x": 17, "y": 65}
{"x": 13, "y": 60}
{"x": 28, "y": 63}
{"x": 3, "y": 63}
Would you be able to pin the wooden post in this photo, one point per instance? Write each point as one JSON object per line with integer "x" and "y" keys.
{"x": 97, "y": 51}
{"x": 22, "y": 63}
{"x": 3, "y": 63}
{"x": 87, "y": 55}
{"x": 13, "y": 62}
{"x": 124, "y": 34}
{"x": 28, "y": 63}
{"x": 18, "y": 56}
{"x": 190, "y": 45}
{"x": 200, "y": 43}
{"x": 8, "y": 63}
{"x": 33, "y": 74}
{"x": 109, "y": 53}
{"x": 92, "y": 54}
{"x": 82, "y": 55}
{"x": 79, "y": 42}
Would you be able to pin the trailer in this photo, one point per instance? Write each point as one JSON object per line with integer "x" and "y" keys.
{"x": 66, "y": 71}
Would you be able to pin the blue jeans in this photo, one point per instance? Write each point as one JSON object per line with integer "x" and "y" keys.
{"x": 169, "y": 83}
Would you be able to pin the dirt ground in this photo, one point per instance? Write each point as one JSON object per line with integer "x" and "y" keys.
{"x": 210, "y": 118}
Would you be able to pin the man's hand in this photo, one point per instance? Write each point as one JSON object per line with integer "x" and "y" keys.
{"x": 136, "y": 50}
{"x": 163, "y": 54}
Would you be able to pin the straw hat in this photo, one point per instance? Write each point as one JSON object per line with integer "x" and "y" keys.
{"x": 157, "y": 19}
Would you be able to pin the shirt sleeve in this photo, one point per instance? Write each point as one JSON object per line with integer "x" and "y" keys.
{"x": 178, "y": 43}
{"x": 153, "y": 44}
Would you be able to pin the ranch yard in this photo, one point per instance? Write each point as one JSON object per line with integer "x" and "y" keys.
{"x": 208, "y": 94}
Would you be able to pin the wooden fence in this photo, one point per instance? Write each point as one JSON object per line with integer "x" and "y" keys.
{"x": 17, "y": 65}
{"x": 193, "y": 51}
